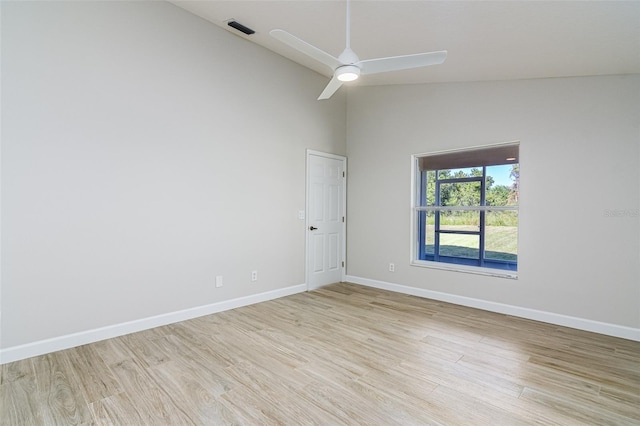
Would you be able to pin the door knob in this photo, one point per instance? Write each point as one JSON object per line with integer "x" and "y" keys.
{"x": 312, "y": 228}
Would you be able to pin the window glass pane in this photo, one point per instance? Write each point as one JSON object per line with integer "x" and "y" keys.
{"x": 460, "y": 173}
{"x": 430, "y": 188}
{"x": 502, "y": 185}
{"x": 460, "y": 245}
{"x": 501, "y": 236}
{"x": 460, "y": 194}
{"x": 430, "y": 234}
{"x": 460, "y": 220}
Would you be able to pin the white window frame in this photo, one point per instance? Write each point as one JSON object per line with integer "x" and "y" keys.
{"x": 415, "y": 208}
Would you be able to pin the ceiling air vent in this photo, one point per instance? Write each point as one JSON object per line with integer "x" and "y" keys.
{"x": 238, "y": 26}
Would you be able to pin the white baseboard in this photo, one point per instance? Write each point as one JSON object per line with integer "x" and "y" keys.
{"x": 548, "y": 317}
{"x": 41, "y": 347}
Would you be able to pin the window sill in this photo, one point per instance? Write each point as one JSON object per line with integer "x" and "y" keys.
{"x": 466, "y": 269}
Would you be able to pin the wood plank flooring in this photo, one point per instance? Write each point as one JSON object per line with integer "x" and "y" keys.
{"x": 345, "y": 354}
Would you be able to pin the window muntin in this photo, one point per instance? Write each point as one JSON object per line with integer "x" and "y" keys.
{"x": 465, "y": 212}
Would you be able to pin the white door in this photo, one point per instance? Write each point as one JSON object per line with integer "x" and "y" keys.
{"x": 325, "y": 218}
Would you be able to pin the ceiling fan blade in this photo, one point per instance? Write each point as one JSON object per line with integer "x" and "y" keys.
{"x": 396, "y": 63}
{"x": 331, "y": 88}
{"x": 306, "y": 48}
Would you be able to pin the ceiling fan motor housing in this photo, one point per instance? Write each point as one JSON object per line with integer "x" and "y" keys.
{"x": 348, "y": 57}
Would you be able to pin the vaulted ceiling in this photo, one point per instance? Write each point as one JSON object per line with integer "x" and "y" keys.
{"x": 485, "y": 40}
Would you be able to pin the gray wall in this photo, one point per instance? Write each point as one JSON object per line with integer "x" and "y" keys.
{"x": 144, "y": 152}
{"x": 580, "y": 157}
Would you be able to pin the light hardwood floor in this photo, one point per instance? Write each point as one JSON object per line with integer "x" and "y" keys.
{"x": 344, "y": 354}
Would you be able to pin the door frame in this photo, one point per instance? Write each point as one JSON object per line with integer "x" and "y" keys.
{"x": 343, "y": 243}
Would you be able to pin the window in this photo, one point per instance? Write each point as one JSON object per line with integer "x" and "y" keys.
{"x": 465, "y": 209}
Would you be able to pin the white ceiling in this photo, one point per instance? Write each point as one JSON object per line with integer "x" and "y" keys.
{"x": 486, "y": 40}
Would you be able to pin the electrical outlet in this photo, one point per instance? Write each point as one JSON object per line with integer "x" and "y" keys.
{"x": 218, "y": 281}
{"x": 254, "y": 275}
{"x": 392, "y": 267}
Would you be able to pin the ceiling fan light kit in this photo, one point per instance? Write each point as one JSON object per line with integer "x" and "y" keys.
{"x": 347, "y": 73}
{"x": 348, "y": 67}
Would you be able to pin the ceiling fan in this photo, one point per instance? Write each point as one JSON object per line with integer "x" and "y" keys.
{"x": 348, "y": 67}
